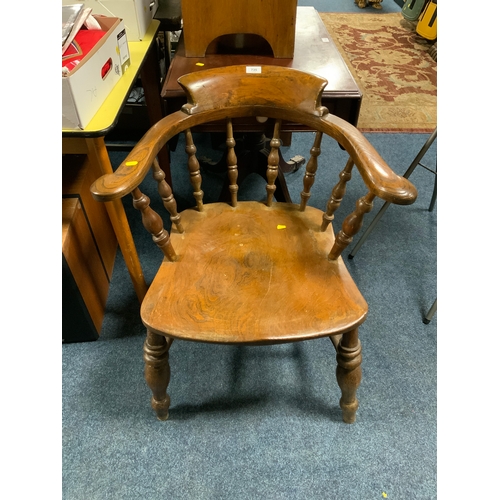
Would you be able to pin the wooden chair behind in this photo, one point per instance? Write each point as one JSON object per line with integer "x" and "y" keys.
{"x": 252, "y": 272}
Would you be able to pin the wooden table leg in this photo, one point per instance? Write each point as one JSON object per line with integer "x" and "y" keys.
{"x": 99, "y": 159}
{"x": 151, "y": 83}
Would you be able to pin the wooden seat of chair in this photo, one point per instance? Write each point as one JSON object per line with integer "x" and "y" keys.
{"x": 253, "y": 272}
{"x": 269, "y": 270}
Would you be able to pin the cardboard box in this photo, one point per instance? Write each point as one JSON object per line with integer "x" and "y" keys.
{"x": 87, "y": 86}
{"x": 136, "y": 14}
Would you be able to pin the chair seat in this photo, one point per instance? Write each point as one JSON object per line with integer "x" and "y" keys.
{"x": 270, "y": 280}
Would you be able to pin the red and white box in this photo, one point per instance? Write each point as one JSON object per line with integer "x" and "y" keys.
{"x": 86, "y": 87}
{"x": 136, "y": 14}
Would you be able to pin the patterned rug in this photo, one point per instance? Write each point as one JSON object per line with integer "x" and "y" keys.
{"x": 393, "y": 68}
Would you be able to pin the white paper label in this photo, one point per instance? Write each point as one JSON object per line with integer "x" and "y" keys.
{"x": 254, "y": 69}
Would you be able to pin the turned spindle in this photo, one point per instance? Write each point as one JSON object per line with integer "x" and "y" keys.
{"x": 311, "y": 167}
{"x": 337, "y": 194}
{"x": 351, "y": 225}
{"x": 194, "y": 170}
{"x": 165, "y": 191}
{"x": 157, "y": 371}
{"x": 273, "y": 163}
{"x": 348, "y": 373}
{"x": 153, "y": 224}
{"x": 232, "y": 167}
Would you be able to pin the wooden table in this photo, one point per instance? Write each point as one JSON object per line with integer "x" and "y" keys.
{"x": 315, "y": 52}
{"x": 90, "y": 141}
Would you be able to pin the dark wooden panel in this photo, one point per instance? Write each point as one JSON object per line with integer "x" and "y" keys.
{"x": 76, "y": 181}
{"x": 85, "y": 266}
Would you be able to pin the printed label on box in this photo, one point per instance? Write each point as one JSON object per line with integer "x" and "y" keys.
{"x": 123, "y": 49}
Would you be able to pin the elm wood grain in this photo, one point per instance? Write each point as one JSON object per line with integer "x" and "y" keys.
{"x": 273, "y": 20}
{"x": 257, "y": 95}
{"x": 254, "y": 272}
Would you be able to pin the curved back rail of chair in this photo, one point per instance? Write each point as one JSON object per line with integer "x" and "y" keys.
{"x": 322, "y": 298}
{"x": 279, "y": 93}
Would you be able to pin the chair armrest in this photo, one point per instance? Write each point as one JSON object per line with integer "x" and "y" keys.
{"x": 135, "y": 167}
{"x": 380, "y": 179}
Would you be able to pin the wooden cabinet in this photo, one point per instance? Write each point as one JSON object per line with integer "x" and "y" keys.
{"x": 88, "y": 253}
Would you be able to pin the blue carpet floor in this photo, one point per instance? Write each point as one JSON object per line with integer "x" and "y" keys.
{"x": 264, "y": 422}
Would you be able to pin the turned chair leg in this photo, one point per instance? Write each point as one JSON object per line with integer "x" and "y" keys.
{"x": 157, "y": 372}
{"x": 349, "y": 373}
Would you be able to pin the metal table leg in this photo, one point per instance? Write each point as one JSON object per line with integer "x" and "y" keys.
{"x": 407, "y": 174}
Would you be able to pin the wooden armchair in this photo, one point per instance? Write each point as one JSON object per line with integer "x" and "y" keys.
{"x": 249, "y": 272}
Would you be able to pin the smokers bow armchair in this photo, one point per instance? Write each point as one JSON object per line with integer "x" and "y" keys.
{"x": 253, "y": 272}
